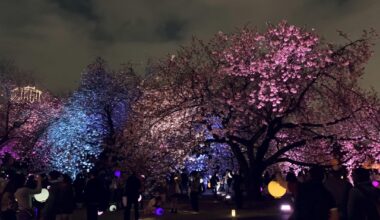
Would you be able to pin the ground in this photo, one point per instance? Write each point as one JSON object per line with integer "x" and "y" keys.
{"x": 210, "y": 209}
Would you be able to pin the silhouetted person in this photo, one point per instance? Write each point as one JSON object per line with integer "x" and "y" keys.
{"x": 174, "y": 193}
{"x": 195, "y": 187}
{"x": 237, "y": 181}
{"x": 214, "y": 183}
{"x": 79, "y": 185}
{"x": 8, "y": 202}
{"x": 94, "y": 196}
{"x": 24, "y": 198}
{"x": 313, "y": 200}
{"x": 363, "y": 197}
{"x": 338, "y": 185}
{"x": 65, "y": 199}
{"x": 184, "y": 183}
{"x": 49, "y": 210}
{"x": 132, "y": 192}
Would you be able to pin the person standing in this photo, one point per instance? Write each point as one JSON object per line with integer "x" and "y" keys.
{"x": 24, "y": 197}
{"x": 8, "y": 202}
{"x": 363, "y": 197}
{"x": 194, "y": 191}
{"x": 49, "y": 211}
{"x": 214, "y": 181}
{"x": 94, "y": 196}
{"x": 174, "y": 193}
{"x": 339, "y": 186}
{"x": 237, "y": 181}
{"x": 132, "y": 192}
{"x": 65, "y": 200}
{"x": 184, "y": 183}
{"x": 313, "y": 201}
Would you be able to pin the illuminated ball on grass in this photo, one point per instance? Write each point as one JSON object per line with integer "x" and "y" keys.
{"x": 117, "y": 173}
{"x": 375, "y": 184}
{"x": 42, "y": 196}
{"x": 276, "y": 190}
{"x": 159, "y": 211}
{"x": 112, "y": 208}
{"x": 286, "y": 208}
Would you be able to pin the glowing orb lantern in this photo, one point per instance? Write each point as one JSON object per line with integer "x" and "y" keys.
{"x": 375, "y": 184}
{"x": 285, "y": 208}
{"x": 117, "y": 173}
{"x": 233, "y": 213}
{"x": 276, "y": 190}
{"x": 159, "y": 211}
{"x": 42, "y": 196}
{"x": 112, "y": 208}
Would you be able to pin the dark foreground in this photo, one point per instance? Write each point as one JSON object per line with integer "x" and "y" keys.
{"x": 210, "y": 208}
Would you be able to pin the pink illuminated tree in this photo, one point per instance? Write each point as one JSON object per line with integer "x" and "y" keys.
{"x": 279, "y": 96}
{"x": 25, "y": 113}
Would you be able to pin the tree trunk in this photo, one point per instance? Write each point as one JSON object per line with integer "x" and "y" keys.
{"x": 253, "y": 183}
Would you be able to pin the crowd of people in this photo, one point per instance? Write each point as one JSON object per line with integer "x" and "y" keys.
{"x": 316, "y": 194}
{"x": 321, "y": 195}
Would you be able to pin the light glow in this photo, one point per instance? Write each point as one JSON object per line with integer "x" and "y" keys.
{"x": 276, "y": 190}
{"x": 159, "y": 211}
{"x": 285, "y": 208}
{"x": 233, "y": 213}
{"x": 375, "y": 184}
{"x": 112, "y": 208}
{"x": 42, "y": 196}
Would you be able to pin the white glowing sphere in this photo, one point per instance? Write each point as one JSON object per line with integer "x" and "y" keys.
{"x": 201, "y": 180}
{"x": 233, "y": 213}
{"x": 228, "y": 196}
{"x": 140, "y": 198}
{"x": 285, "y": 208}
{"x": 112, "y": 208}
{"x": 42, "y": 196}
{"x": 100, "y": 212}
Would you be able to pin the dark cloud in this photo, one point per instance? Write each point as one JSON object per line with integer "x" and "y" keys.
{"x": 83, "y": 8}
{"x": 171, "y": 30}
{"x": 58, "y": 38}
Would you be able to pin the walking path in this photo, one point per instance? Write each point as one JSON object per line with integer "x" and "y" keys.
{"x": 210, "y": 209}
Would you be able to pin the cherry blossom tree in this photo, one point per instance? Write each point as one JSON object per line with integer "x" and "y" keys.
{"x": 282, "y": 95}
{"x": 25, "y": 113}
{"x": 86, "y": 133}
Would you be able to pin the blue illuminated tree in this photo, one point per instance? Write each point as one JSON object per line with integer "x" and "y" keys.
{"x": 75, "y": 139}
{"x": 92, "y": 119}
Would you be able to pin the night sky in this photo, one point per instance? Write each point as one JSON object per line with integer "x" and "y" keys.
{"x": 56, "y": 39}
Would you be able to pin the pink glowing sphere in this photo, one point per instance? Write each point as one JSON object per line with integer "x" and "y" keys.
{"x": 375, "y": 183}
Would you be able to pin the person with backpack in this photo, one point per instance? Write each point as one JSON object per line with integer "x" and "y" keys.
{"x": 363, "y": 199}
